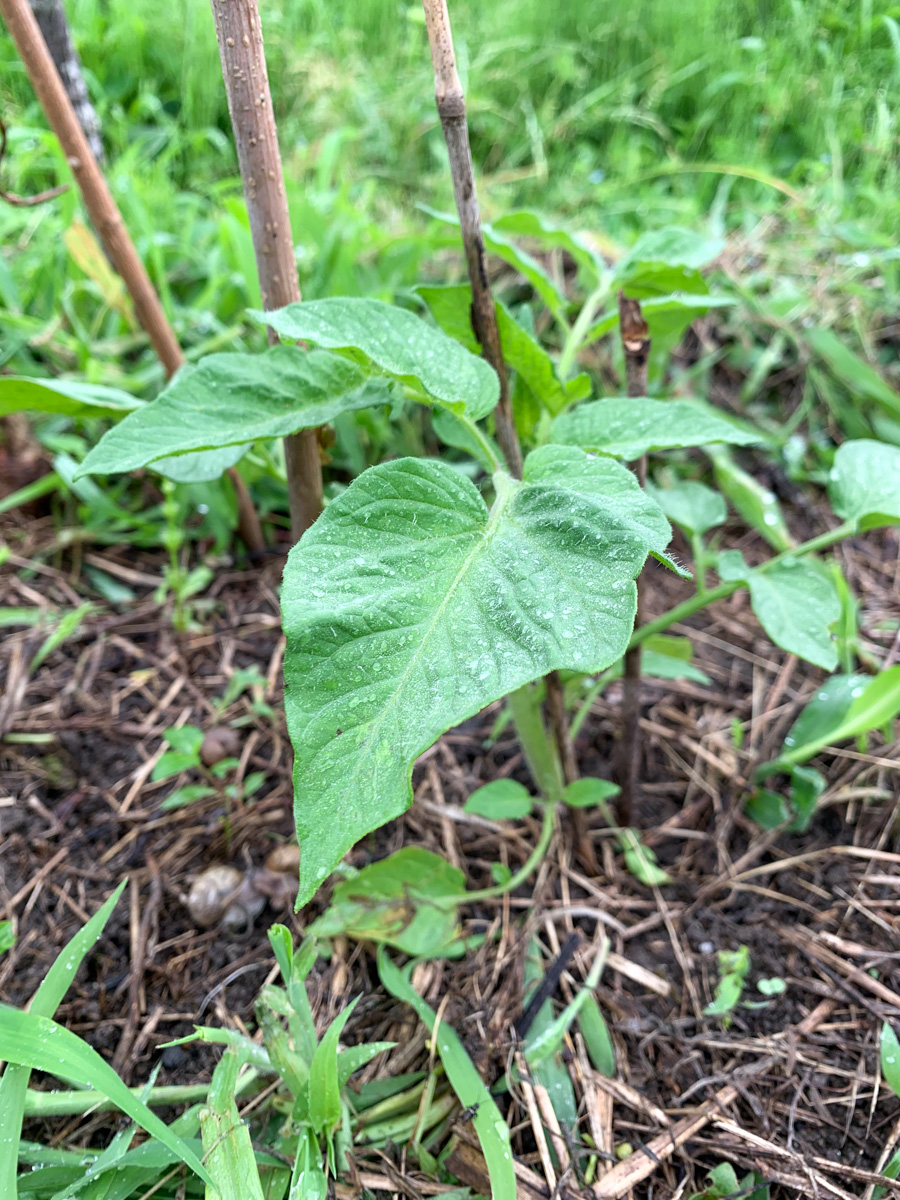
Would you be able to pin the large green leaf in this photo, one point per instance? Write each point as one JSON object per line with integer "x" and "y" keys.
{"x": 627, "y": 428}
{"x": 535, "y": 225}
{"x": 234, "y": 399}
{"x": 795, "y": 602}
{"x": 664, "y": 261}
{"x": 68, "y": 398}
{"x": 409, "y": 606}
{"x": 865, "y": 483}
{"x": 397, "y": 341}
{"x": 395, "y": 901}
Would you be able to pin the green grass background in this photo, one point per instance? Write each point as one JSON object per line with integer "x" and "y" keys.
{"x": 615, "y": 117}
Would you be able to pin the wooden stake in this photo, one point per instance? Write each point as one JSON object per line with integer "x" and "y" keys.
{"x": 106, "y": 218}
{"x": 239, "y": 33}
{"x": 636, "y": 347}
{"x": 451, "y": 106}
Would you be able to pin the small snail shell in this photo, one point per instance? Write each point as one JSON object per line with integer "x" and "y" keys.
{"x": 284, "y": 858}
{"x": 220, "y": 742}
{"x": 211, "y": 894}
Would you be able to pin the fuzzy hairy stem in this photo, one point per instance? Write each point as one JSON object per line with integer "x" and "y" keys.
{"x": 636, "y": 348}
{"x": 451, "y": 106}
{"x": 239, "y": 33}
{"x": 106, "y": 218}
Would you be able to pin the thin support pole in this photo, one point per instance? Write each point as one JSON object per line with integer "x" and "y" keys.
{"x": 636, "y": 348}
{"x": 239, "y": 34}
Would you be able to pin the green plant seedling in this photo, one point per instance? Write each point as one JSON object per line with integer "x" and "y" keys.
{"x": 501, "y": 800}
{"x": 734, "y": 966}
{"x": 408, "y": 900}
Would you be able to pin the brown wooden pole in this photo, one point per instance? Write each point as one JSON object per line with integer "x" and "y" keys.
{"x": 239, "y": 33}
{"x": 106, "y": 218}
{"x": 636, "y": 348}
{"x": 451, "y": 106}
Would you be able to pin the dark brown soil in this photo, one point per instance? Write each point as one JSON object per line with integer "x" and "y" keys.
{"x": 803, "y": 1102}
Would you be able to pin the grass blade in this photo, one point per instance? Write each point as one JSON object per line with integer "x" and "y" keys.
{"x": 470, "y": 1089}
{"x": 44, "y": 1003}
{"x": 41, "y": 1044}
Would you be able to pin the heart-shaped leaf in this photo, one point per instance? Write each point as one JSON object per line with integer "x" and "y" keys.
{"x": 409, "y": 606}
{"x": 795, "y": 602}
{"x": 627, "y": 428}
{"x": 865, "y": 483}
{"x": 397, "y": 341}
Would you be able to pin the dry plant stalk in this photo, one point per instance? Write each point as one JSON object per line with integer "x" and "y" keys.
{"x": 636, "y": 347}
{"x": 239, "y": 33}
{"x": 106, "y": 218}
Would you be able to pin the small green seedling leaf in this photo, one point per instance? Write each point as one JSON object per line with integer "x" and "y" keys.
{"x": 666, "y": 657}
{"x": 693, "y": 507}
{"x": 641, "y": 861}
{"x": 64, "y": 397}
{"x": 872, "y": 708}
{"x": 588, "y": 792}
{"x": 629, "y": 428}
{"x": 187, "y": 739}
{"x": 409, "y": 606}
{"x": 397, "y": 341}
{"x": 7, "y": 936}
{"x": 597, "y": 1038}
{"x": 470, "y": 1089}
{"x": 795, "y": 602}
{"x": 890, "y": 1058}
{"x": 771, "y": 987}
{"x": 233, "y": 400}
{"x": 394, "y": 901}
{"x": 864, "y": 485}
{"x": 501, "y": 800}
{"x": 734, "y": 966}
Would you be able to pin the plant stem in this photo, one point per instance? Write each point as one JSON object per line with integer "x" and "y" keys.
{"x": 528, "y": 867}
{"x": 537, "y": 746}
{"x": 699, "y": 601}
{"x": 64, "y": 1104}
{"x": 476, "y": 433}
{"x": 106, "y": 218}
{"x": 451, "y": 106}
{"x": 636, "y": 348}
{"x": 239, "y": 34}
{"x": 576, "y": 334}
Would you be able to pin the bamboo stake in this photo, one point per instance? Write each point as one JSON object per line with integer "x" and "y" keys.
{"x": 636, "y": 346}
{"x": 239, "y": 33}
{"x": 106, "y": 218}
